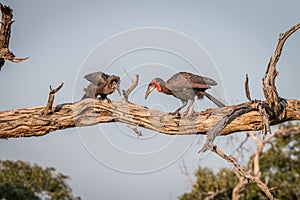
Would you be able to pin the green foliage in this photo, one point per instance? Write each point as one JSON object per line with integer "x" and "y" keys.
{"x": 279, "y": 166}
{"x": 20, "y": 180}
{"x": 207, "y": 182}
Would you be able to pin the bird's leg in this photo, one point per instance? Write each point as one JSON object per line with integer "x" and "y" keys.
{"x": 103, "y": 97}
{"x": 190, "y": 109}
{"x": 184, "y": 103}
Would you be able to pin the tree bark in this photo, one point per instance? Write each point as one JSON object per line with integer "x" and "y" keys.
{"x": 29, "y": 122}
{"x": 6, "y": 22}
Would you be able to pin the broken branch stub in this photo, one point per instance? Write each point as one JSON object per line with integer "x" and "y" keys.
{"x": 48, "y": 108}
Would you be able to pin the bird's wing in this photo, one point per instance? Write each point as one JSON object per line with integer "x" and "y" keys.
{"x": 189, "y": 80}
{"x": 98, "y": 78}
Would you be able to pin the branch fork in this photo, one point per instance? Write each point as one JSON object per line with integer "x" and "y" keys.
{"x": 275, "y": 108}
{"x": 48, "y": 109}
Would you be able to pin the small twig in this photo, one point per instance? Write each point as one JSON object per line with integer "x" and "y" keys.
{"x": 48, "y": 108}
{"x": 135, "y": 129}
{"x": 128, "y": 75}
{"x": 247, "y": 91}
{"x": 129, "y": 90}
{"x": 241, "y": 147}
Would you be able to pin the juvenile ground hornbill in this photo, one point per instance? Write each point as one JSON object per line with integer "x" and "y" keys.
{"x": 101, "y": 85}
{"x": 184, "y": 86}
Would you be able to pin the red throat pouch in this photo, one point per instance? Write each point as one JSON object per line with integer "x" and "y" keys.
{"x": 158, "y": 87}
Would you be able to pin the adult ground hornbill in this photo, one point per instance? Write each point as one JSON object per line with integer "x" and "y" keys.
{"x": 184, "y": 86}
{"x": 101, "y": 84}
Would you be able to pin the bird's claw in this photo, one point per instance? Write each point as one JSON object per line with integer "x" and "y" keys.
{"x": 105, "y": 100}
{"x": 184, "y": 114}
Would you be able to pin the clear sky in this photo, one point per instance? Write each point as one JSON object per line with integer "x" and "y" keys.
{"x": 67, "y": 39}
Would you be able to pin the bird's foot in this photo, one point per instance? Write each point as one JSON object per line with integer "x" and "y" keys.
{"x": 188, "y": 113}
{"x": 176, "y": 113}
{"x": 183, "y": 114}
{"x": 106, "y": 100}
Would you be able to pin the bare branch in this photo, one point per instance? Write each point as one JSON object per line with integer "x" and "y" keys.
{"x": 244, "y": 172}
{"x": 48, "y": 108}
{"x": 135, "y": 129}
{"x": 6, "y": 22}
{"x": 247, "y": 91}
{"x": 268, "y": 82}
{"x": 226, "y": 120}
{"x": 239, "y": 187}
{"x": 132, "y": 87}
{"x": 28, "y": 121}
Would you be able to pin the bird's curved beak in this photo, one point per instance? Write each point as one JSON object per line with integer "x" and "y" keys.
{"x": 149, "y": 90}
{"x": 117, "y": 86}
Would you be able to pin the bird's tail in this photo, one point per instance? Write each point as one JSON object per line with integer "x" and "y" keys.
{"x": 87, "y": 93}
{"x": 84, "y": 96}
{"x": 213, "y": 99}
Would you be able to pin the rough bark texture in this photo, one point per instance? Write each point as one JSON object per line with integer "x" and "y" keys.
{"x": 31, "y": 121}
{"x": 268, "y": 82}
{"x": 6, "y": 22}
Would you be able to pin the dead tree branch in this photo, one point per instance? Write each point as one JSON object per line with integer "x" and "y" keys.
{"x": 252, "y": 115}
{"x": 243, "y": 172}
{"x": 132, "y": 87}
{"x": 253, "y": 164}
{"x": 268, "y": 83}
{"x": 136, "y": 130}
{"x": 247, "y": 91}
{"x": 275, "y": 108}
{"x": 48, "y": 108}
{"x": 6, "y": 22}
{"x": 29, "y": 122}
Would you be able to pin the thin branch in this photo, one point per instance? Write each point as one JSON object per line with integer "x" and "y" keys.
{"x": 244, "y": 172}
{"x": 247, "y": 91}
{"x": 253, "y": 164}
{"x": 48, "y": 108}
{"x": 239, "y": 187}
{"x": 135, "y": 129}
{"x": 132, "y": 87}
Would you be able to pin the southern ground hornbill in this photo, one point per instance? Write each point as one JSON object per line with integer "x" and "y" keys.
{"x": 184, "y": 86}
{"x": 101, "y": 85}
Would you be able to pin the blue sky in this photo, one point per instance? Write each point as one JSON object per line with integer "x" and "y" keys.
{"x": 66, "y": 39}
